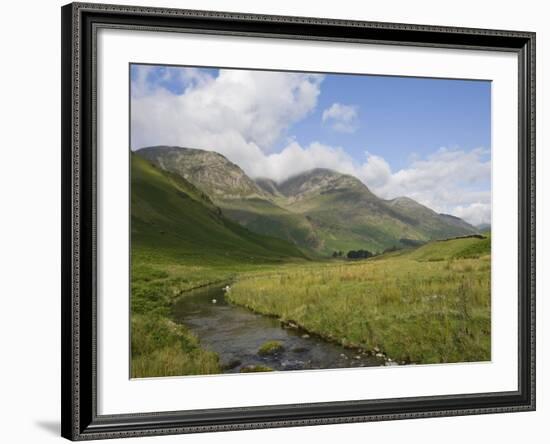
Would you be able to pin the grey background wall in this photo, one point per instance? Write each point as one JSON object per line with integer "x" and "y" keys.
{"x": 30, "y": 232}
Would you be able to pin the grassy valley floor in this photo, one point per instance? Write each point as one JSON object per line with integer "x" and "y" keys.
{"x": 426, "y": 305}
{"x": 415, "y": 311}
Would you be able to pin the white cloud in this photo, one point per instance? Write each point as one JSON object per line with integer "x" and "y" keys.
{"x": 448, "y": 181}
{"x": 343, "y": 118}
{"x": 375, "y": 172}
{"x": 237, "y": 110}
{"x": 295, "y": 159}
{"x": 476, "y": 213}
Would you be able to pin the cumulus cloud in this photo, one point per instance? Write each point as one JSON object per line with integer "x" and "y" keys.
{"x": 448, "y": 181}
{"x": 343, "y": 118}
{"x": 476, "y": 213}
{"x": 376, "y": 172}
{"x": 235, "y": 110}
{"x": 294, "y": 159}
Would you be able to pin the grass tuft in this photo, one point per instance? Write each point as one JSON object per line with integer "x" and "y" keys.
{"x": 270, "y": 348}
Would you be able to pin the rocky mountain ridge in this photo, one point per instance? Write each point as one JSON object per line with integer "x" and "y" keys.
{"x": 320, "y": 209}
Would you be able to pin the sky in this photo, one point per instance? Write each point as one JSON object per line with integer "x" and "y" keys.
{"x": 428, "y": 139}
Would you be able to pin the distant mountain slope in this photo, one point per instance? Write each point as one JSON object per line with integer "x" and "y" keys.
{"x": 437, "y": 225}
{"x": 170, "y": 216}
{"x": 321, "y": 209}
{"x": 348, "y": 212}
{"x": 269, "y": 186}
{"x": 239, "y": 197}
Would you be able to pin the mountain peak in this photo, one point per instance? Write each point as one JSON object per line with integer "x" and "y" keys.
{"x": 211, "y": 171}
{"x": 406, "y": 203}
{"x": 179, "y": 150}
{"x": 319, "y": 170}
{"x": 319, "y": 181}
{"x": 402, "y": 199}
{"x": 316, "y": 172}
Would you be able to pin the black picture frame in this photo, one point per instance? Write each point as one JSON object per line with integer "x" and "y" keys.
{"x": 80, "y": 22}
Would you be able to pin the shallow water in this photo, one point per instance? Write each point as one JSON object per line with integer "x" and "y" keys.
{"x": 236, "y": 334}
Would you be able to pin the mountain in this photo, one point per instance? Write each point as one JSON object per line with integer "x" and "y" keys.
{"x": 211, "y": 171}
{"x": 349, "y": 215}
{"x": 239, "y": 197}
{"x": 437, "y": 225}
{"x": 171, "y": 216}
{"x": 343, "y": 210}
{"x": 269, "y": 186}
{"x": 320, "y": 210}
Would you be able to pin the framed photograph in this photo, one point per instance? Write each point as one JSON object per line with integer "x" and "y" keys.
{"x": 281, "y": 221}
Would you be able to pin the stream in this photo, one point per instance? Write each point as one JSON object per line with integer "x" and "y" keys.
{"x": 236, "y": 334}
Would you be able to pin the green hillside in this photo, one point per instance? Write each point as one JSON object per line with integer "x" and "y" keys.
{"x": 238, "y": 196}
{"x": 171, "y": 218}
{"x": 262, "y": 216}
{"x": 347, "y": 215}
{"x": 319, "y": 211}
{"x": 462, "y": 248}
{"x": 349, "y": 219}
{"x": 430, "y": 223}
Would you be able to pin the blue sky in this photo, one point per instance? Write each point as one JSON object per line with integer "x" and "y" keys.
{"x": 426, "y": 138}
{"x": 400, "y": 117}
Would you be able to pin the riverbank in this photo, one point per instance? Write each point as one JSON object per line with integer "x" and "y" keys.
{"x": 246, "y": 341}
{"x": 160, "y": 346}
{"x": 422, "y": 306}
